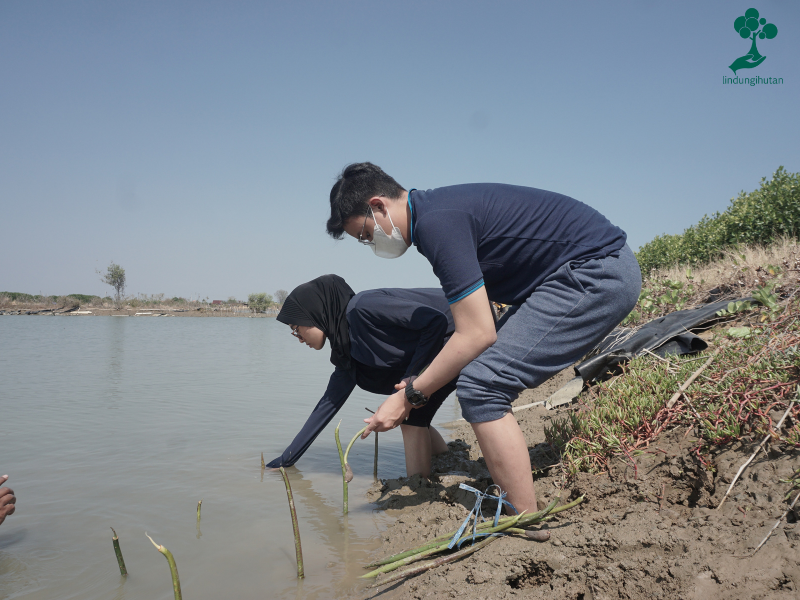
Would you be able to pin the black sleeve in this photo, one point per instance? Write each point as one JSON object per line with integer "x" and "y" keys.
{"x": 386, "y": 312}
{"x": 340, "y": 386}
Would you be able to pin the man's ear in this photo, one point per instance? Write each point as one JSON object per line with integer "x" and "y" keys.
{"x": 378, "y": 204}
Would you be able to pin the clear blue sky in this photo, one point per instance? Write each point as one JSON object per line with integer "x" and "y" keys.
{"x": 195, "y": 143}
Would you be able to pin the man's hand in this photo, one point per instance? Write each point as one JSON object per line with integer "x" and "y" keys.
{"x": 389, "y": 415}
{"x": 7, "y": 500}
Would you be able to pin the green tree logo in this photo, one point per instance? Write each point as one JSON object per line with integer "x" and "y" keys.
{"x": 751, "y": 27}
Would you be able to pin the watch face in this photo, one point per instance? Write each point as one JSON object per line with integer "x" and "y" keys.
{"x": 415, "y": 397}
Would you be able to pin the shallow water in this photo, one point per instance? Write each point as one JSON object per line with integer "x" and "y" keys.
{"x": 128, "y": 422}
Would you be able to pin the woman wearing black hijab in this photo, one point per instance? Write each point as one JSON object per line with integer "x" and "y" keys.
{"x": 378, "y": 339}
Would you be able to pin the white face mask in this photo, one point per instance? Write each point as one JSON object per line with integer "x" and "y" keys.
{"x": 384, "y": 245}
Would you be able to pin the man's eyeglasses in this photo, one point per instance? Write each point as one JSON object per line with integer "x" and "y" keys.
{"x": 361, "y": 239}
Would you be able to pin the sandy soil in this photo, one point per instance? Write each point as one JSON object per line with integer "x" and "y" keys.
{"x": 624, "y": 541}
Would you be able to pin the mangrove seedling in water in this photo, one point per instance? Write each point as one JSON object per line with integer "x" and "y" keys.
{"x": 173, "y": 568}
{"x": 298, "y": 549}
{"x": 375, "y": 465}
{"x": 199, "y": 504}
{"x": 347, "y": 472}
{"x": 118, "y": 552}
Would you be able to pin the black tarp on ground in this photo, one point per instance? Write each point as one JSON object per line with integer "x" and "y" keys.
{"x": 669, "y": 334}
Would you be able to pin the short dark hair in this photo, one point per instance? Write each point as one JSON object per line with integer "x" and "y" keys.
{"x": 350, "y": 195}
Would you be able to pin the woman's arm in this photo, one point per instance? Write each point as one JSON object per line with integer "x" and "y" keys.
{"x": 340, "y": 386}
{"x": 475, "y": 332}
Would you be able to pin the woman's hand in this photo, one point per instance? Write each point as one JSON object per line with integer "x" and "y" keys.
{"x": 389, "y": 415}
{"x": 402, "y": 385}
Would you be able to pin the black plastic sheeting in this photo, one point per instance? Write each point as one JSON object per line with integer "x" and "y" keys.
{"x": 669, "y": 334}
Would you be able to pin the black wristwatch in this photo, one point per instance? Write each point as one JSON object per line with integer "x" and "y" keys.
{"x": 415, "y": 397}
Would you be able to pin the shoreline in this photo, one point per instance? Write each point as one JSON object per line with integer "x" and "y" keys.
{"x": 235, "y": 312}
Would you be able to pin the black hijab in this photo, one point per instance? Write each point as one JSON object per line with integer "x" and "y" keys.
{"x": 322, "y": 303}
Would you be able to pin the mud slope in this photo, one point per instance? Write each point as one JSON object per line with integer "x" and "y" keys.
{"x": 644, "y": 532}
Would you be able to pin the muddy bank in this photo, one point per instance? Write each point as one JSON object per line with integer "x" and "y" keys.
{"x": 648, "y": 530}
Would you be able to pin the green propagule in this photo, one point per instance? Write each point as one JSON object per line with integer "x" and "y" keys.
{"x": 298, "y": 548}
{"x": 347, "y": 472}
{"x": 121, "y": 561}
{"x": 440, "y": 544}
{"x": 173, "y": 568}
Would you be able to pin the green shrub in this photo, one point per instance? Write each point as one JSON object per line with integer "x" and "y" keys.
{"x": 22, "y": 297}
{"x": 259, "y": 302}
{"x": 758, "y": 217}
{"x": 83, "y": 298}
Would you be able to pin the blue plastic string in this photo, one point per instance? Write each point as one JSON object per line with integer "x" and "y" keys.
{"x": 477, "y": 513}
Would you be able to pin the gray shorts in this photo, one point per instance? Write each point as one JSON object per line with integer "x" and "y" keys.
{"x": 563, "y": 319}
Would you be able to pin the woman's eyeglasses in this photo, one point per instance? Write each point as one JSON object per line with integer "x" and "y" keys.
{"x": 296, "y": 332}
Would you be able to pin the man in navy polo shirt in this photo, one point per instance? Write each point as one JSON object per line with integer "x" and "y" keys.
{"x": 563, "y": 267}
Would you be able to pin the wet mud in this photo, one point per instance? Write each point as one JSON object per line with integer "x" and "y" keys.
{"x": 648, "y": 529}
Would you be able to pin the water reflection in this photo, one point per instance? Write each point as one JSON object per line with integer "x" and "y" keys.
{"x": 115, "y": 355}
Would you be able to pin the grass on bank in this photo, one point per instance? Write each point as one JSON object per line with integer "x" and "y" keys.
{"x": 742, "y": 393}
{"x": 738, "y": 273}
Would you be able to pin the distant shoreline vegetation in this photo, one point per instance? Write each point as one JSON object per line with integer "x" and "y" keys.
{"x": 257, "y": 303}
{"x": 756, "y": 218}
{"x": 752, "y": 80}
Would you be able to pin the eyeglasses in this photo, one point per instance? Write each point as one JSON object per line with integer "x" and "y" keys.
{"x": 361, "y": 235}
{"x": 296, "y": 332}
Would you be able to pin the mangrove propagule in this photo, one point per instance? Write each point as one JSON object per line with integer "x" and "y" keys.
{"x": 347, "y": 472}
{"x": 519, "y": 520}
{"x": 173, "y": 568}
{"x": 118, "y": 552}
{"x": 298, "y": 548}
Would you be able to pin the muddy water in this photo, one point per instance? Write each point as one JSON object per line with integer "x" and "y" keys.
{"x": 128, "y": 422}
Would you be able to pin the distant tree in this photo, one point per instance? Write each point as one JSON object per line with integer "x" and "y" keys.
{"x": 259, "y": 303}
{"x": 280, "y": 297}
{"x": 115, "y": 277}
{"x": 232, "y": 300}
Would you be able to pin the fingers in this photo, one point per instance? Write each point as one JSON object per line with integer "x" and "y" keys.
{"x": 367, "y": 431}
{"x": 3, "y": 479}
{"x": 402, "y": 385}
{"x": 5, "y": 511}
{"x": 7, "y": 503}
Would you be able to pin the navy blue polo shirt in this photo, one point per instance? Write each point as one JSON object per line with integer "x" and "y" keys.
{"x": 509, "y": 238}
{"x": 394, "y": 333}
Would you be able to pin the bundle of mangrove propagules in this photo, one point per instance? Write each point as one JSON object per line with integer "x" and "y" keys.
{"x": 441, "y": 543}
{"x": 347, "y": 472}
